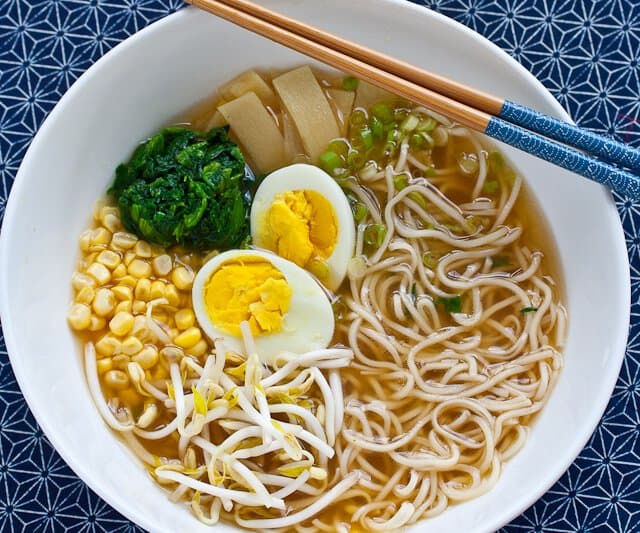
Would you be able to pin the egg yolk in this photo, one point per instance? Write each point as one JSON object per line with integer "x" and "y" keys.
{"x": 247, "y": 288}
{"x": 300, "y": 226}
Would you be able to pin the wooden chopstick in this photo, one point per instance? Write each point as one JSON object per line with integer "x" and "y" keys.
{"x": 457, "y": 91}
{"x": 518, "y": 130}
{"x": 461, "y": 113}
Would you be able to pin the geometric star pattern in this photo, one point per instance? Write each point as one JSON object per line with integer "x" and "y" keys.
{"x": 586, "y": 52}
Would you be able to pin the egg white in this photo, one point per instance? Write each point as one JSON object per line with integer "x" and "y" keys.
{"x": 308, "y": 325}
{"x": 307, "y": 177}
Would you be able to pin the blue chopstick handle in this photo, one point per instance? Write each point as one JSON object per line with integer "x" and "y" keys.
{"x": 616, "y": 179}
{"x": 608, "y": 149}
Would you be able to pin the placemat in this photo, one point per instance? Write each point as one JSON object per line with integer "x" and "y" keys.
{"x": 587, "y": 53}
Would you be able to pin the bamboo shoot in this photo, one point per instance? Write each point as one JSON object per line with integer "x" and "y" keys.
{"x": 256, "y": 130}
{"x": 309, "y": 108}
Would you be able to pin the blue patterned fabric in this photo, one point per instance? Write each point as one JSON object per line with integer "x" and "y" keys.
{"x": 586, "y": 52}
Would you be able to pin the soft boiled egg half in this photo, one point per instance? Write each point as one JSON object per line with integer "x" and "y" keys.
{"x": 286, "y": 309}
{"x": 300, "y": 213}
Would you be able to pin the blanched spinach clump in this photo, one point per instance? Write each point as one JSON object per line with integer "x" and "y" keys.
{"x": 185, "y": 187}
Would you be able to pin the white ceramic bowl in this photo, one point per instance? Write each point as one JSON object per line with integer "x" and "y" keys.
{"x": 139, "y": 87}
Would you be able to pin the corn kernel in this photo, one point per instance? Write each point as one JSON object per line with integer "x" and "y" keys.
{"x": 80, "y": 280}
{"x": 122, "y": 292}
{"x": 104, "y": 365}
{"x": 157, "y": 290}
{"x": 143, "y": 290}
{"x": 188, "y": 338}
{"x": 112, "y": 223}
{"x": 147, "y": 357}
{"x": 143, "y": 249}
{"x": 100, "y": 237}
{"x": 116, "y": 379}
{"x": 109, "y": 259}
{"x": 128, "y": 281}
{"x": 119, "y": 272}
{"x": 123, "y": 240}
{"x": 128, "y": 257}
{"x": 104, "y": 302}
{"x": 185, "y": 319}
{"x": 182, "y": 278}
{"x": 162, "y": 265}
{"x": 199, "y": 349}
{"x": 97, "y": 323}
{"x": 172, "y": 295}
{"x": 85, "y": 240}
{"x": 99, "y": 272}
{"x": 85, "y": 295}
{"x": 79, "y": 316}
{"x": 140, "y": 269}
{"x": 121, "y": 361}
{"x": 139, "y": 307}
{"x": 90, "y": 258}
{"x": 131, "y": 345}
{"x": 121, "y": 324}
{"x": 108, "y": 345}
{"x": 125, "y": 306}
{"x": 108, "y": 210}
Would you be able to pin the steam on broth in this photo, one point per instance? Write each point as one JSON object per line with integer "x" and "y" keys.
{"x": 445, "y": 335}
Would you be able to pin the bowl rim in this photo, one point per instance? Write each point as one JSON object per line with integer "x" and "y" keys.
{"x": 130, "y": 511}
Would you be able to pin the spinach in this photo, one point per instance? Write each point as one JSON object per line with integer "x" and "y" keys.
{"x": 186, "y": 187}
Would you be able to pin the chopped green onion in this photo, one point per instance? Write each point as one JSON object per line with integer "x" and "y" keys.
{"x": 366, "y": 136}
{"x": 394, "y": 136}
{"x": 430, "y": 172}
{"x": 330, "y": 161}
{"x": 420, "y": 141}
{"x": 440, "y": 136}
{"x": 400, "y": 181}
{"x": 430, "y": 260}
{"x": 349, "y": 83}
{"x": 427, "y": 124}
{"x": 377, "y": 127}
{"x": 355, "y": 160}
{"x": 525, "y": 310}
{"x": 500, "y": 260}
{"x": 410, "y": 123}
{"x": 413, "y": 291}
{"x": 358, "y": 118}
{"x": 374, "y": 234}
{"x": 468, "y": 163}
{"x": 451, "y": 305}
{"x": 417, "y": 141}
{"x": 491, "y": 186}
{"x": 389, "y": 149}
{"x": 360, "y": 211}
{"x": 383, "y": 111}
